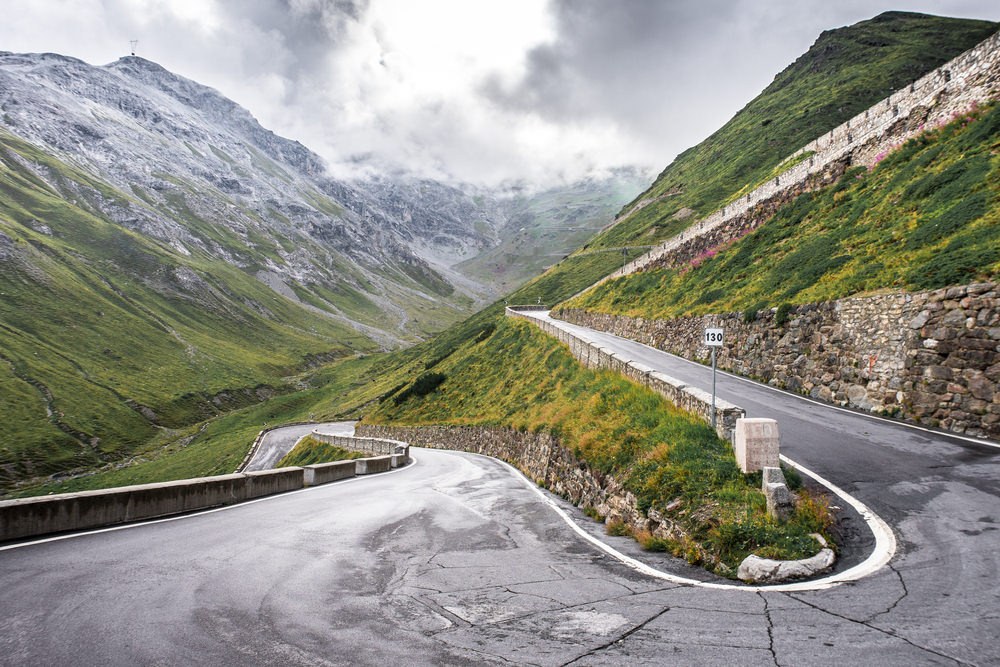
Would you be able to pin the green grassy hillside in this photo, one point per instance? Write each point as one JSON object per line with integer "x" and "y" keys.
{"x": 218, "y": 445}
{"x": 927, "y": 216}
{"x": 309, "y": 450}
{"x": 107, "y": 337}
{"x": 846, "y": 71}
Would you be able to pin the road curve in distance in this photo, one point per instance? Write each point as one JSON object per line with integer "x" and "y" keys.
{"x": 276, "y": 443}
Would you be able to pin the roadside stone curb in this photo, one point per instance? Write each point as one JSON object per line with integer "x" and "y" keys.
{"x": 757, "y": 570}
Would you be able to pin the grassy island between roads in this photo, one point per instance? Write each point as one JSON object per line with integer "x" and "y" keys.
{"x": 309, "y": 450}
{"x": 670, "y": 459}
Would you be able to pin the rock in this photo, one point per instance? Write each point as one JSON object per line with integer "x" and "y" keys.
{"x": 856, "y": 393}
{"x": 780, "y": 501}
{"x": 938, "y": 373}
{"x": 673, "y": 504}
{"x": 755, "y": 569}
{"x": 981, "y": 388}
{"x": 920, "y": 320}
{"x": 954, "y": 318}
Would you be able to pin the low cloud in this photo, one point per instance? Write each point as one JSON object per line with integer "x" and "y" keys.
{"x": 468, "y": 91}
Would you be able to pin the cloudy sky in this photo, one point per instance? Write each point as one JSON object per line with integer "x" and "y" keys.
{"x": 483, "y": 91}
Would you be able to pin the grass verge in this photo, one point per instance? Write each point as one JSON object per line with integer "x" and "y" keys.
{"x": 309, "y": 450}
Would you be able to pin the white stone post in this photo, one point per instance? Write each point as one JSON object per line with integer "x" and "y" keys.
{"x": 756, "y": 443}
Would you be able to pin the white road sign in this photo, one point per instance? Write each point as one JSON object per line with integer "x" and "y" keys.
{"x": 713, "y": 337}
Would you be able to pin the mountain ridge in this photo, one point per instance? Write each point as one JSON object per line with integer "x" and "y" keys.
{"x": 166, "y": 259}
{"x": 845, "y": 71}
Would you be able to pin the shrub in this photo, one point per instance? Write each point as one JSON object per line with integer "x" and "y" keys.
{"x": 711, "y": 296}
{"x": 422, "y": 386}
{"x": 955, "y": 265}
{"x": 734, "y": 540}
{"x": 649, "y": 542}
{"x": 618, "y": 528}
{"x": 812, "y": 512}
{"x": 960, "y": 214}
{"x": 387, "y": 395}
{"x": 792, "y": 477}
{"x": 781, "y": 317}
{"x": 486, "y": 332}
{"x": 751, "y": 313}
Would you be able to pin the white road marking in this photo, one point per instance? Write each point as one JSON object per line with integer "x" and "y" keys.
{"x": 885, "y": 545}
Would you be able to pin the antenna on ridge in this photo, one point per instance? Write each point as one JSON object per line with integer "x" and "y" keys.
{"x": 133, "y": 43}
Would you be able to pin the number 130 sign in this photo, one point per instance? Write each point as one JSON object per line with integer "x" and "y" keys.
{"x": 713, "y": 338}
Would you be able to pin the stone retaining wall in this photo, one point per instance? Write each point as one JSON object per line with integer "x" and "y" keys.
{"x": 702, "y": 239}
{"x": 686, "y": 397}
{"x": 930, "y": 357}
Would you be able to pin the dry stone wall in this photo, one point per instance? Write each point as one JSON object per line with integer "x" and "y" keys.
{"x": 703, "y": 239}
{"x": 932, "y": 357}
{"x": 954, "y": 88}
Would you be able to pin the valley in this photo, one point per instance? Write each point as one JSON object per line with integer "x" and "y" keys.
{"x": 166, "y": 260}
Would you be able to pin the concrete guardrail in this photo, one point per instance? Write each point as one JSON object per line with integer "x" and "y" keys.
{"x": 42, "y": 515}
{"x": 323, "y": 473}
{"x": 373, "y": 465}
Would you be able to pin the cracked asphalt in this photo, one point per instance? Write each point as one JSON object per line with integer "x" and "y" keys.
{"x": 451, "y": 561}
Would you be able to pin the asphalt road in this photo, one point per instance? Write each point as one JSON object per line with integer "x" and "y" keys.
{"x": 456, "y": 560}
{"x": 280, "y": 441}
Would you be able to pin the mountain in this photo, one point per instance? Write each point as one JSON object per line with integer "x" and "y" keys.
{"x": 541, "y": 228}
{"x": 165, "y": 259}
{"x": 162, "y": 138}
{"x": 489, "y": 241}
{"x": 843, "y": 73}
{"x": 196, "y": 173}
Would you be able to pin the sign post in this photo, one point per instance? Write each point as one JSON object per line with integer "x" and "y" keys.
{"x": 713, "y": 339}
